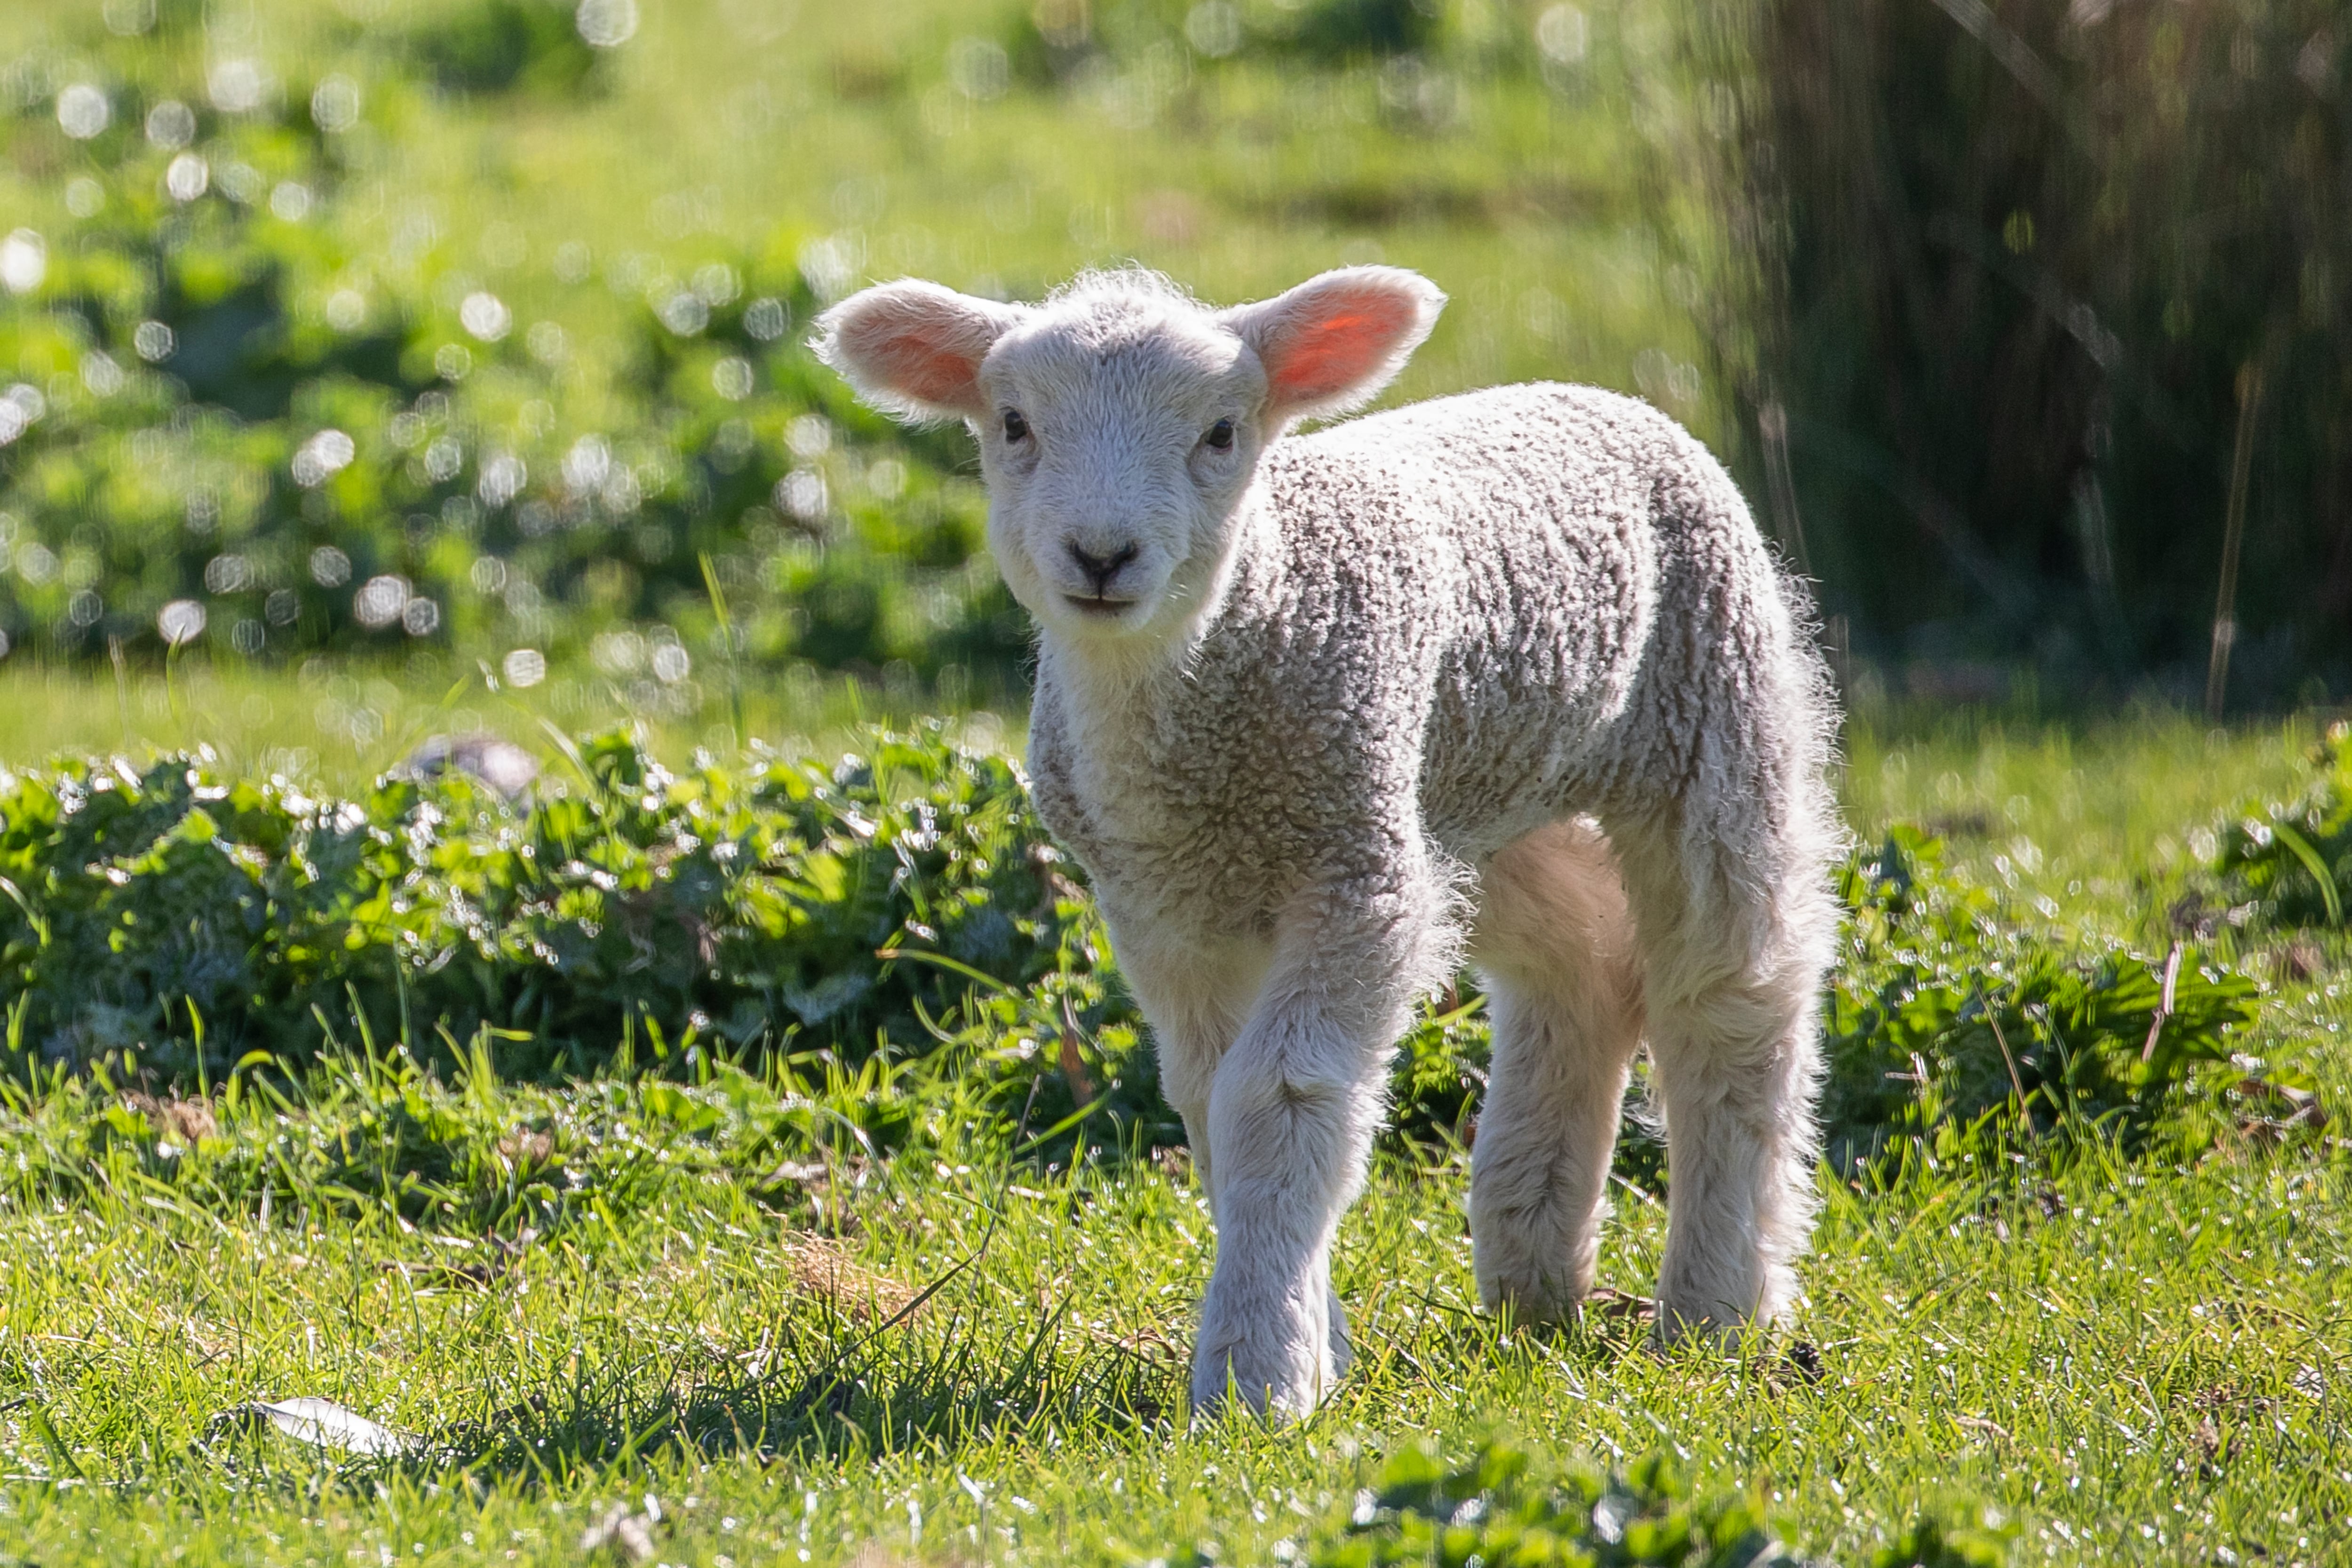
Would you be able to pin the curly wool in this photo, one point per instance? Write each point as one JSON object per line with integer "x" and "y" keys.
{"x": 1487, "y": 612}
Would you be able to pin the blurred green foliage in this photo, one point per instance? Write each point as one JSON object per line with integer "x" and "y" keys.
{"x": 2018, "y": 338}
{"x": 1062, "y": 39}
{"x": 474, "y": 326}
{"x": 222, "y": 402}
{"x": 2291, "y": 861}
{"x": 499, "y": 45}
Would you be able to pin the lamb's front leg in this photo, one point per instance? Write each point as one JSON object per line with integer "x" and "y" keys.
{"x": 1196, "y": 994}
{"x": 1291, "y": 1118}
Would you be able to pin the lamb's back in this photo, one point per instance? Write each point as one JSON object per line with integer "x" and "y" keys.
{"x": 1523, "y": 533}
{"x": 1586, "y": 441}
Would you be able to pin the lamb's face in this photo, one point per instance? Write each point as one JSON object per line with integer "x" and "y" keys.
{"x": 1119, "y": 423}
{"x": 1117, "y": 449}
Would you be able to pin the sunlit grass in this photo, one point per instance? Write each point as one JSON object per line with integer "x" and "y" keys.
{"x": 2104, "y": 803}
{"x": 2134, "y": 1367}
{"x": 2091, "y": 812}
{"x": 338, "y": 724}
{"x": 2126, "y": 1363}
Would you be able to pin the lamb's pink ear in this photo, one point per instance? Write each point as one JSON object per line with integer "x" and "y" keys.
{"x": 1331, "y": 343}
{"x": 913, "y": 349}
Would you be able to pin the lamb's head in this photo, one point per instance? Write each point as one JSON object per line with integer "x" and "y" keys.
{"x": 1120, "y": 423}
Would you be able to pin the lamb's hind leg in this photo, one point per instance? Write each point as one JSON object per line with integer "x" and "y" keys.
{"x": 1554, "y": 945}
{"x": 1734, "y": 938}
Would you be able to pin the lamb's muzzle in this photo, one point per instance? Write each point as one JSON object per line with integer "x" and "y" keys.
{"x": 1507, "y": 677}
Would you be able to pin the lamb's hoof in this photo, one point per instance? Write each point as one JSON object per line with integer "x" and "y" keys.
{"x": 1533, "y": 1303}
{"x": 1801, "y": 1363}
{"x": 1272, "y": 1381}
{"x": 1717, "y": 1328}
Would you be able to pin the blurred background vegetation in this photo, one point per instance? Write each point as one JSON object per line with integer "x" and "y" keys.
{"x": 2038, "y": 319}
{"x": 384, "y": 341}
{"x": 350, "y": 351}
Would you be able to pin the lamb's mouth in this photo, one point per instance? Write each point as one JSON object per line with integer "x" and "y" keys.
{"x": 1100, "y": 608}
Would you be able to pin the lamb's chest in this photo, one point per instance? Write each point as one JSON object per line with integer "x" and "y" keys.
{"x": 1226, "y": 833}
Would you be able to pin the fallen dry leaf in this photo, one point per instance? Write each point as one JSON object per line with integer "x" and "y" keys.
{"x": 820, "y": 1265}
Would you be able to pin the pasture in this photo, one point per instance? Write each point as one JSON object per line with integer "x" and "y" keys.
{"x": 684, "y": 1294}
{"x": 742, "y": 1150}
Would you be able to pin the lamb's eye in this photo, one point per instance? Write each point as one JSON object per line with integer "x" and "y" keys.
{"x": 1221, "y": 435}
{"x": 1016, "y": 428}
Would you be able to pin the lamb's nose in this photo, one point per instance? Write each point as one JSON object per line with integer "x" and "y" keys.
{"x": 1100, "y": 568}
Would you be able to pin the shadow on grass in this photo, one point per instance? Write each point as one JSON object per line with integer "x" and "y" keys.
{"x": 837, "y": 1391}
{"x": 827, "y": 1388}
{"x": 830, "y": 1390}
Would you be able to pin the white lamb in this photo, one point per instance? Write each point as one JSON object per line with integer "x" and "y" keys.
{"x": 1509, "y": 674}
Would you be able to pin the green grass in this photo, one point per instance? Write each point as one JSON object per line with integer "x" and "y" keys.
{"x": 2135, "y": 1367}
{"x": 2122, "y": 1362}
{"x": 2106, "y": 803}
{"x": 2095, "y": 815}
{"x": 338, "y": 724}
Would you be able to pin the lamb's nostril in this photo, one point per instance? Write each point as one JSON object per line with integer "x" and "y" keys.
{"x": 1100, "y": 568}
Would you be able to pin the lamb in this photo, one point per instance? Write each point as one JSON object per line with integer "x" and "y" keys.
{"x": 1508, "y": 675}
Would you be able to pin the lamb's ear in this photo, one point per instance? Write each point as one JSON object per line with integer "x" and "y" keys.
{"x": 1331, "y": 343}
{"x": 911, "y": 348}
